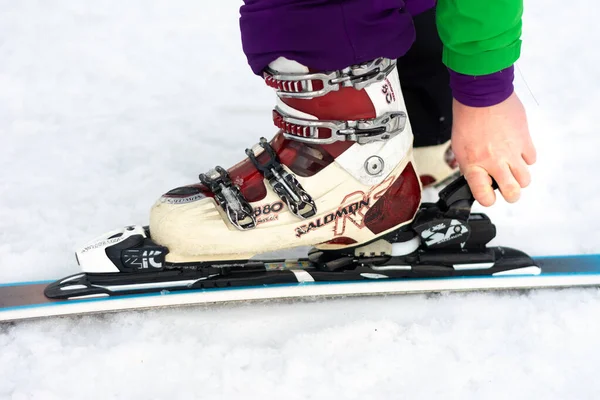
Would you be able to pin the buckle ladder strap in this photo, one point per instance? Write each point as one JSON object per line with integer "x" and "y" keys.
{"x": 364, "y": 131}
{"x": 230, "y": 198}
{"x": 287, "y": 187}
{"x": 307, "y": 85}
{"x": 284, "y": 184}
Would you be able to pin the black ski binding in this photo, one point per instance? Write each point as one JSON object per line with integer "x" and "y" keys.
{"x": 449, "y": 222}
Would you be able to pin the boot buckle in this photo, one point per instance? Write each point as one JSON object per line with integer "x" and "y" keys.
{"x": 364, "y": 131}
{"x": 230, "y": 198}
{"x": 287, "y": 187}
{"x": 309, "y": 85}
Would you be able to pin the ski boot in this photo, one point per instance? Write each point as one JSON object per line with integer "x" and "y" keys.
{"x": 338, "y": 173}
{"x": 436, "y": 164}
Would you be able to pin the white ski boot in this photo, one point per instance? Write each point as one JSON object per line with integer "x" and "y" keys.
{"x": 339, "y": 173}
{"x": 436, "y": 164}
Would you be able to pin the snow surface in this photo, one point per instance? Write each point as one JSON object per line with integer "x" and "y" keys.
{"x": 104, "y": 105}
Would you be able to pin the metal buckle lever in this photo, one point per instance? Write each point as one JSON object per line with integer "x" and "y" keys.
{"x": 230, "y": 198}
{"x": 300, "y": 85}
{"x": 381, "y": 128}
{"x": 287, "y": 187}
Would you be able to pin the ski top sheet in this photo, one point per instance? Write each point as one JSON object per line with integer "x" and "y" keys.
{"x": 26, "y": 300}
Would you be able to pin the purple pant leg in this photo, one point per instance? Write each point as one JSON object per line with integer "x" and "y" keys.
{"x": 324, "y": 34}
{"x": 416, "y": 7}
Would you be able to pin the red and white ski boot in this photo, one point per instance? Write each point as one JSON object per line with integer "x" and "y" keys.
{"x": 339, "y": 173}
{"x": 436, "y": 164}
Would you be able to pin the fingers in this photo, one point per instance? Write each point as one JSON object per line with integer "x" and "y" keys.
{"x": 529, "y": 153}
{"x": 480, "y": 183}
{"x": 507, "y": 182}
{"x": 510, "y": 180}
{"x": 521, "y": 173}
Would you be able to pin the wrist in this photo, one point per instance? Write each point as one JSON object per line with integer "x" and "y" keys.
{"x": 483, "y": 90}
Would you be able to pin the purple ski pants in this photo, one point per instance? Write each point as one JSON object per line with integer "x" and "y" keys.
{"x": 333, "y": 34}
{"x": 326, "y": 34}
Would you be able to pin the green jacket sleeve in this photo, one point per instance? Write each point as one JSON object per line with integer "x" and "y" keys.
{"x": 480, "y": 37}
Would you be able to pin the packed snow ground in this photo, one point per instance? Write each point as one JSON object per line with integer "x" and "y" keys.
{"x": 105, "y": 105}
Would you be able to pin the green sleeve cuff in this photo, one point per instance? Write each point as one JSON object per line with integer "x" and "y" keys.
{"x": 480, "y": 37}
{"x": 484, "y": 63}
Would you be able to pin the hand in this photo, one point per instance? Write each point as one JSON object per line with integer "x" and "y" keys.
{"x": 493, "y": 141}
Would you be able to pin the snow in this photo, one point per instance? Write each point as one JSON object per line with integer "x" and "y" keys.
{"x": 105, "y": 105}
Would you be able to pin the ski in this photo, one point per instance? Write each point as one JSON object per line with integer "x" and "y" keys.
{"x": 23, "y": 301}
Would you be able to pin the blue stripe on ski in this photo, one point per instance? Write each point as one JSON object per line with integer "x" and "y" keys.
{"x": 556, "y": 264}
{"x": 573, "y": 257}
{"x": 26, "y": 283}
